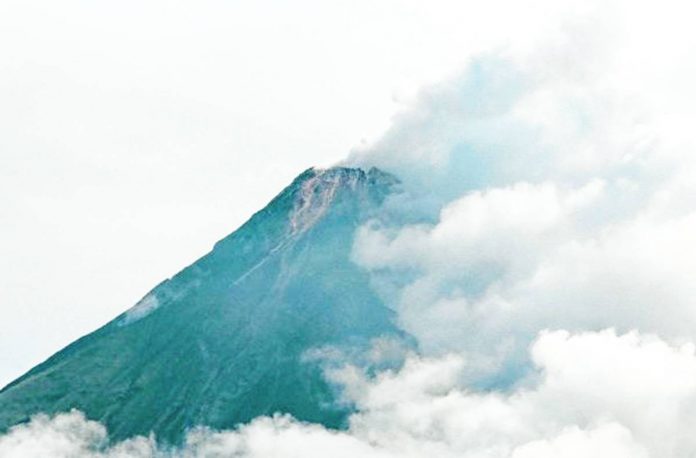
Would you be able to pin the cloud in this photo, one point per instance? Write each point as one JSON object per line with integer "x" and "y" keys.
{"x": 582, "y": 401}
{"x": 69, "y": 435}
{"x": 589, "y": 382}
{"x": 502, "y": 264}
{"x": 546, "y": 188}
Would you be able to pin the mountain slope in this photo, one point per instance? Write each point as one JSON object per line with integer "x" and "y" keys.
{"x": 223, "y": 341}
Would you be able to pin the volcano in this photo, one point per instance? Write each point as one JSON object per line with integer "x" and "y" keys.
{"x": 225, "y": 340}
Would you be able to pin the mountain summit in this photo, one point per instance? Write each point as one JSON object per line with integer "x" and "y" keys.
{"x": 225, "y": 339}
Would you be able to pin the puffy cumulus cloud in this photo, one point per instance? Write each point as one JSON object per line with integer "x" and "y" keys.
{"x": 590, "y": 387}
{"x": 69, "y": 435}
{"x": 610, "y": 440}
{"x": 596, "y": 394}
{"x": 501, "y": 264}
{"x": 484, "y": 230}
{"x": 544, "y": 188}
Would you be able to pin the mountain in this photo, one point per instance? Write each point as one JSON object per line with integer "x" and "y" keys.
{"x": 226, "y": 339}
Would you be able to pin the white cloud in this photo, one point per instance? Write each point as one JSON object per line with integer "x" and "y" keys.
{"x": 503, "y": 264}
{"x": 595, "y": 394}
{"x": 550, "y": 188}
{"x": 69, "y": 435}
{"x": 482, "y": 228}
{"x": 606, "y": 441}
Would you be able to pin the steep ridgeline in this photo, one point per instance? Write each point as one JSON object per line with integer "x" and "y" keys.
{"x": 223, "y": 341}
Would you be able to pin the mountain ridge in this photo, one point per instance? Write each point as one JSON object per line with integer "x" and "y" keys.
{"x": 221, "y": 342}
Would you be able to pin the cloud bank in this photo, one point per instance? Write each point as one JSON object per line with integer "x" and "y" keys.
{"x": 596, "y": 394}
